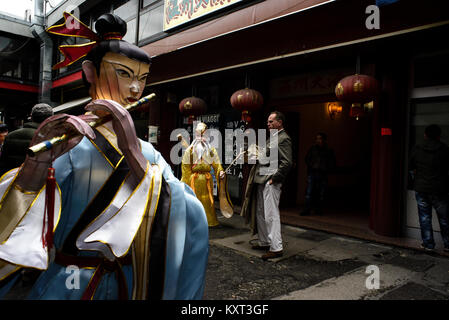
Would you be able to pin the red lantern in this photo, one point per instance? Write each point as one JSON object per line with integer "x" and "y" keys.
{"x": 192, "y": 107}
{"x": 357, "y": 90}
{"x": 246, "y": 100}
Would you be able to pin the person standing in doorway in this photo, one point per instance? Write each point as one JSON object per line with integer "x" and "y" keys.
{"x": 320, "y": 160}
{"x": 3, "y": 134}
{"x": 429, "y": 162}
{"x": 261, "y": 205}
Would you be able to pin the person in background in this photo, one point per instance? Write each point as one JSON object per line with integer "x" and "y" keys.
{"x": 3, "y": 133}
{"x": 429, "y": 162}
{"x": 320, "y": 160}
{"x": 18, "y": 141}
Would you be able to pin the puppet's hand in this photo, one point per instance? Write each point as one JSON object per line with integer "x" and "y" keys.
{"x": 34, "y": 170}
{"x": 126, "y": 134}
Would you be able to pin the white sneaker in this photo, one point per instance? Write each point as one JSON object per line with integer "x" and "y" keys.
{"x": 426, "y": 248}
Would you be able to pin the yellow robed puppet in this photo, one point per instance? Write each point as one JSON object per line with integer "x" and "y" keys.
{"x": 198, "y": 160}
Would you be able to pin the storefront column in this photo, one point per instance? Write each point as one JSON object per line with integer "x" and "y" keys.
{"x": 46, "y": 53}
{"x": 166, "y": 123}
{"x": 387, "y": 151}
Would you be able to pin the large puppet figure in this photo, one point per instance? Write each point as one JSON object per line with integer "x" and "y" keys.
{"x": 198, "y": 160}
{"x": 130, "y": 228}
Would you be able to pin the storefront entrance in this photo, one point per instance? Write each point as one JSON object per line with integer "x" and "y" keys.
{"x": 348, "y": 196}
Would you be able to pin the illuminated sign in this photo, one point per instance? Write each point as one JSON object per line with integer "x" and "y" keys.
{"x": 177, "y": 12}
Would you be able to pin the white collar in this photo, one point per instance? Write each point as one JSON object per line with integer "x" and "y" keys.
{"x": 277, "y": 132}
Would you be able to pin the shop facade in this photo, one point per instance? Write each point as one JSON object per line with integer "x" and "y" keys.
{"x": 295, "y": 63}
{"x": 294, "y": 53}
{"x": 19, "y": 71}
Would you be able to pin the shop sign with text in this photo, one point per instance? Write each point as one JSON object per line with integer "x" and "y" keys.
{"x": 314, "y": 83}
{"x": 177, "y": 12}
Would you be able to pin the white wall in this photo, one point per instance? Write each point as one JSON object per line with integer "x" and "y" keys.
{"x": 15, "y": 26}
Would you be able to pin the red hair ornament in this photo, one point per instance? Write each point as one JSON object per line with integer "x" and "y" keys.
{"x": 72, "y": 27}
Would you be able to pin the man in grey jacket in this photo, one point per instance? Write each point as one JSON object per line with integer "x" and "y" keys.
{"x": 264, "y": 189}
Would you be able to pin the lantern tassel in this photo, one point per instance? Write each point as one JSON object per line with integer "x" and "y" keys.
{"x": 49, "y": 212}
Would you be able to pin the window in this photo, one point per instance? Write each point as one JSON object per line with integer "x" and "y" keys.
{"x": 100, "y": 9}
{"x": 430, "y": 96}
{"x": 429, "y": 111}
{"x": 18, "y": 57}
{"x": 127, "y": 10}
{"x": 131, "y": 33}
{"x": 146, "y": 3}
{"x": 151, "y": 21}
{"x": 432, "y": 70}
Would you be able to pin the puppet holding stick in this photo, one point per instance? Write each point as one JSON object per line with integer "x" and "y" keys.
{"x": 120, "y": 216}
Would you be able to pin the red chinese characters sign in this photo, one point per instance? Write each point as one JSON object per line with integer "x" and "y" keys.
{"x": 306, "y": 84}
{"x": 177, "y": 12}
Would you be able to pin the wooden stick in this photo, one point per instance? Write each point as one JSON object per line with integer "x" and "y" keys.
{"x": 48, "y": 144}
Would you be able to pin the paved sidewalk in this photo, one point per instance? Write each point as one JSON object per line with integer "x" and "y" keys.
{"x": 319, "y": 266}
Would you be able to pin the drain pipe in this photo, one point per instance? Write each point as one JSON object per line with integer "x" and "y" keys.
{"x": 46, "y": 51}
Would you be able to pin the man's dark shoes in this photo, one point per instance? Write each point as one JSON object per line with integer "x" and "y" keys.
{"x": 272, "y": 255}
{"x": 261, "y": 248}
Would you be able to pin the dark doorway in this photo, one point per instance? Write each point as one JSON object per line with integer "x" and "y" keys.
{"x": 347, "y": 199}
{"x": 289, "y": 188}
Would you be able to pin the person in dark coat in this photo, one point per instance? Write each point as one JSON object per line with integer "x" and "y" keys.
{"x": 3, "y": 133}
{"x": 18, "y": 141}
{"x": 320, "y": 160}
{"x": 429, "y": 162}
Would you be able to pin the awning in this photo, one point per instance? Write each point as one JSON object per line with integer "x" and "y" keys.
{"x": 296, "y": 34}
{"x": 71, "y": 104}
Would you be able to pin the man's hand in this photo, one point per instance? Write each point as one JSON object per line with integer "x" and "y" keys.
{"x": 222, "y": 175}
{"x": 271, "y": 181}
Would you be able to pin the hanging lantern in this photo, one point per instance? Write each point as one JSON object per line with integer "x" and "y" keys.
{"x": 192, "y": 107}
{"x": 357, "y": 89}
{"x": 247, "y": 101}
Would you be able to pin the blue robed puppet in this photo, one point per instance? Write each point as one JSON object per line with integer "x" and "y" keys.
{"x": 124, "y": 226}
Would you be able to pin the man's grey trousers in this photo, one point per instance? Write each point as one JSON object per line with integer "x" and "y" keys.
{"x": 268, "y": 217}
